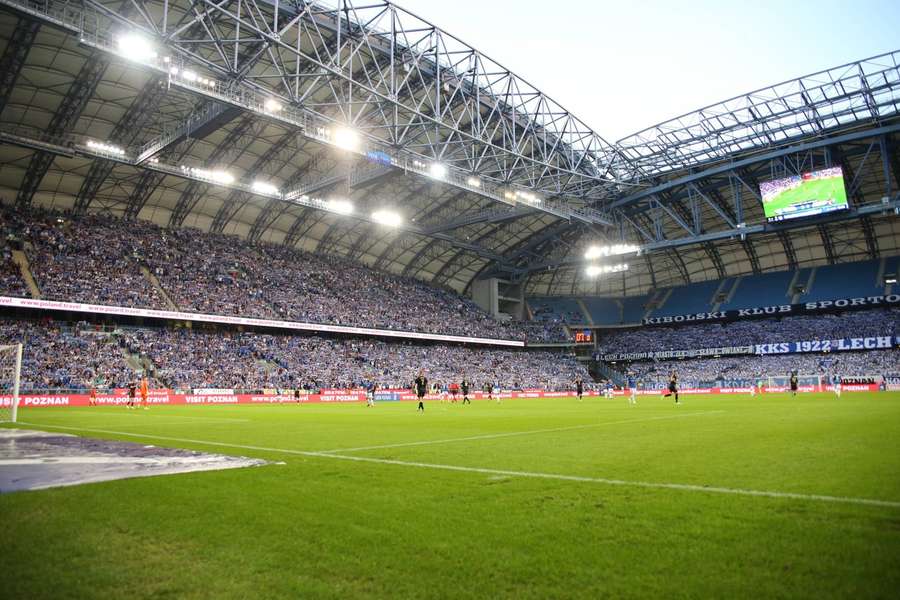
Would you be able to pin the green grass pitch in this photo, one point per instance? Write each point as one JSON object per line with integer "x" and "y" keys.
{"x": 525, "y": 499}
{"x": 816, "y": 189}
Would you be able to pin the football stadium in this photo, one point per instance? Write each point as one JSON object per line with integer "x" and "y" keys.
{"x": 315, "y": 300}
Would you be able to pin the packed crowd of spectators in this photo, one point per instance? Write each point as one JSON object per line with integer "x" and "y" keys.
{"x": 98, "y": 259}
{"x": 867, "y": 323}
{"x": 88, "y": 261}
{"x": 77, "y": 357}
{"x": 11, "y": 281}
{"x": 747, "y": 370}
{"x": 59, "y": 356}
{"x": 186, "y": 359}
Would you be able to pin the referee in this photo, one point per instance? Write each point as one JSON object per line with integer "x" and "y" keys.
{"x": 421, "y": 387}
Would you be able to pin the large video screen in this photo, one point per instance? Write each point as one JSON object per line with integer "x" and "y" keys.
{"x": 806, "y": 195}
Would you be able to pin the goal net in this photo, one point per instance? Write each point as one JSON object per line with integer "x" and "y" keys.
{"x": 10, "y": 370}
{"x": 802, "y": 381}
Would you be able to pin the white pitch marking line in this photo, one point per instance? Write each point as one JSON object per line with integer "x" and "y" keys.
{"x": 617, "y": 482}
{"x": 128, "y": 414}
{"x": 489, "y": 436}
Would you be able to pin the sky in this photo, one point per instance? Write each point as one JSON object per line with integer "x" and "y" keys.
{"x": 626, "y": 65}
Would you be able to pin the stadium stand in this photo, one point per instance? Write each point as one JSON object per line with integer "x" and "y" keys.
{"x": 686, "y": 299}
{"x": 759, "y": 290}
{"x": 604, "y": 311}
{"x": 848, "y": 280}
{"x": 66, "y": 356}
{"x": 809, "y": 284}
{"x": 11, "y": 281}
{"x": 73, "y": 356}
{"x": 557, "y": 310}
{"x": 634, "y": 308}
{"x": 97, "y": 259}
{"x": 868, "y": 323}
{"x": 747, "y": 370}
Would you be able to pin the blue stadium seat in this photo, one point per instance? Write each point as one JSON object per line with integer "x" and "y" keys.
{"x": 604, "y": 311}
{"x": 761, "y": 290}
{"x": 557, "y": 309}
{"x": 846, "y": 280}
{"x": 634, "y": 308}
{"x": 688, "y": 299}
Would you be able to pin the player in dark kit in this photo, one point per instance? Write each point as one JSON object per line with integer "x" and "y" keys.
{"x": 465, "y": 391}
{"x": 132, "y": 392}
{"x": 794, "y": 383}
{"x": 673, "y": 386}
{"x": 579, "y": 388}
{"x": 421, "y": 387}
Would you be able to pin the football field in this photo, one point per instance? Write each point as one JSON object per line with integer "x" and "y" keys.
{"x": 829, "y": 188}
{"x": 722, "y": 496}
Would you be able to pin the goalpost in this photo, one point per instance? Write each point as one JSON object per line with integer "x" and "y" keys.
{"x": 10, "y": 371}
{"x": 802, "y": 380}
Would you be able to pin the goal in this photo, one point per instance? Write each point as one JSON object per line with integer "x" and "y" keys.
{"x": 10, "y": 370}
{"x": 802, "y": 380}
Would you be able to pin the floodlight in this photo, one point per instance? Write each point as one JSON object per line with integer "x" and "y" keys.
{"x": 344, "y": 207}
{"x": 222, "y": 177}
{"x": 595, "y": 270}
{"x": 437, "y": 170}
{"x": 613, "y": 250}
{"x": 345, "y": 138}
{"x": 263, "y": 187}
{"x": 189, "y": 76}
{"x": 387, "y": 217}
{"x": 104, "y": 147}
{"x": 135, "y": 47}
{"x": 272, "y": 105}
{"x": 474, "y": 182}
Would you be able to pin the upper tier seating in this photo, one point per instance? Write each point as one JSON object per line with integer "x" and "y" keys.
{"x": 103, "y": 260}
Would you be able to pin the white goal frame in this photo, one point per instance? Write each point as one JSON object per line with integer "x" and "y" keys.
{"x": 802, "y": 380}
{"x": 8, "y": 414}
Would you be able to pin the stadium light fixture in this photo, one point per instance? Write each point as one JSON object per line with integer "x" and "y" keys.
{"x": 387, "y": 217}
{"x": 222, "y": 177}
{"x": 473, "y": 182}
{"x": 437, "y": 170}
{"x": 104, "y": 147}
{"x": 271, "y": 105}
{"x": 345, "y": 138}
{"x": 189, "y": 76}
{"x": 344, "y": 207}
{"x": 218, "y": 176}
{"x": 136, "y": 47}
{"x": 613, "y": 250}
{"x": 527, "y": 197}
{"x": 264, "y": 187}
{"x": 597, "y": 270}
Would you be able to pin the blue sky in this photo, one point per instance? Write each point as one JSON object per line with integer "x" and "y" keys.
{"x": 623, "y": 66}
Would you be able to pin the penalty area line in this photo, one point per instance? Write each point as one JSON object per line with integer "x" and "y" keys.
{"x": 684, "y": 487}
{"x": 491, "y": 436}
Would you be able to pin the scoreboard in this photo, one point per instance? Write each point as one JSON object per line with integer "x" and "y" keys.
{"x": 584, "y": 336}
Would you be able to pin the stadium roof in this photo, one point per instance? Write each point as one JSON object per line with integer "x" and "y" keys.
{"x": 134, "y": 108}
